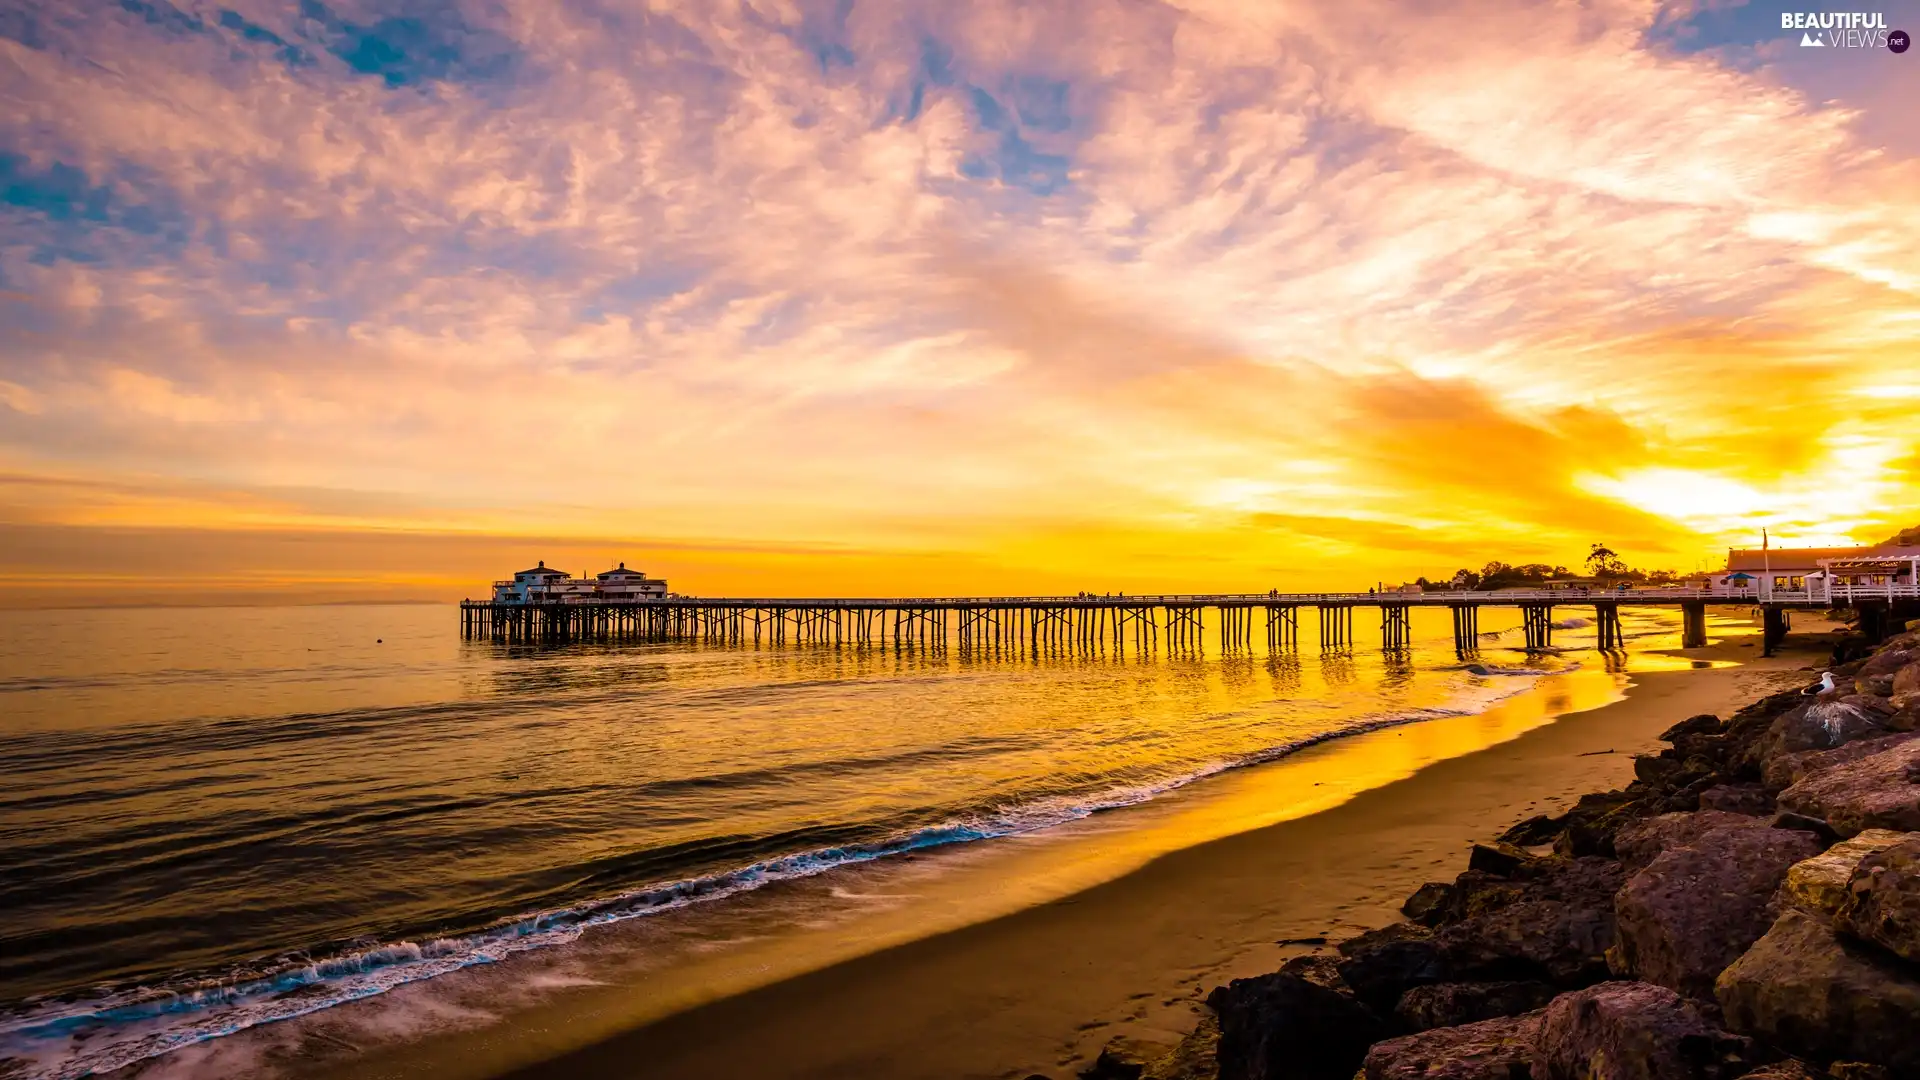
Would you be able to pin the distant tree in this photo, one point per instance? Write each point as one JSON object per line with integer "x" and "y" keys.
{"x": 1604, "y": 562}
{"x": 1464, "y": 579}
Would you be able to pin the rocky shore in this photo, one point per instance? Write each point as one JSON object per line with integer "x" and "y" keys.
{"x": 1748, "y": 906}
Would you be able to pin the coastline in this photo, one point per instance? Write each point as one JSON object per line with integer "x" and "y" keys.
{"x": 1041, "y": 989}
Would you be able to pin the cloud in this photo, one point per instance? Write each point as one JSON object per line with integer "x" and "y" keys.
{"x": 1030, "y": 292}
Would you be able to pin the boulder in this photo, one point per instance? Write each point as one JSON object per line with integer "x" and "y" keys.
{"x": 1590, "y": 825}
{"x": 1639, "y": 843}
{"x": 1318, "y": 968}
{"x": 1698, "y": 906}
{"x": 1808, "y": 991}
{"x": 1498, "y": 1049}
{"x": 1538, "y": 829}
{"x": 1194, "y": 1058}
{"x": 1634, "y": 1031}
{"x": 1450, "y": 1004}
{"x": 1824, "y": 725}
{"x": 1500, "y": 860}
{"x": 1882, "y": 904}
{"x": 1282, "y": 1027}
{"x": 1703, "y": 724}
{"x": 1785, "y": 770}
{"x": 1428, "y": 902}
{"x": 1122, "y": 1059}
{"x": 1819, "y": 884}
{"x": 1380, "y": 965}
{"x": 1552, "y": 923}
{"x": 1879, "y": 789}
{"x": 1551, "y": 940}
{"x": 1751, "y": 799}
{"x": 1906, "y": 680}
{"x": 1876, "y": 676}
{"x": 1790, "y": 1069}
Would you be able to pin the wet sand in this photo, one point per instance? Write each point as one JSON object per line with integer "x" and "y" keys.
{"x": 1039, "y": 991}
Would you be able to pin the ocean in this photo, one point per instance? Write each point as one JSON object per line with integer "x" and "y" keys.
{"x": 213, "y": 819}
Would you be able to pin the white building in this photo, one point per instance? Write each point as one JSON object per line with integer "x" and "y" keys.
{"x": 546, "y": 585}
{"x": 1766, "y": 572}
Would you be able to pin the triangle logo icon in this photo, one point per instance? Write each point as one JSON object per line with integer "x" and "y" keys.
{"x": 1808, "y": 40}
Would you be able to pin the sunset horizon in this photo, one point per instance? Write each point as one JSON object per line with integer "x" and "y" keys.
{"x": 329, "y": 304}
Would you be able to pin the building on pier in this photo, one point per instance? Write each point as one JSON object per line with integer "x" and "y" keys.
{"x": 545, "y": 585}
{"x": 1770, "y": 571}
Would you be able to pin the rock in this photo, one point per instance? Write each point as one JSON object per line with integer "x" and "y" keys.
{"x": 1551, "y": 940}
{"x": 1282, "y": 1027}
{"x": 1877, "y": 674}
{"x": 1552, "y": 923}
{"x": 1538, "y": 829}
{"x": 1787, "y": 819}
{"x": 1319, "y": 969}
{"x": 1450, "y": 1004}
{"x": 1380, "y": 965}
{"x": 1634, "y": 1031}
{"x": 1785, "y": 770}
{"x": 1698, "y": 906}
{"x": 1590, "y": 825}
{"x": 1655, "y": 769}
{"x": 1882, "y": 903}
{"x": 1427, "y": 903}
{"x": 1750, "y": 799}
{"x": 1819, "y": 884}
{"x": 1703, "y": 724}
{"x": 1875, "y": 791}
{"x": 1122, "y": 1059}
{"x": 1825, "y": 725}
{"x": 1806, "y": 990}
{"x": 1906, "y": 681}
{"x": 1640, "y": 842}
{"x": 1499, "y": 1049}
{"x": 1196, "y": 1057}
{"x": 1500, "y": 860}
{"x": 1858, "y": 1070}
{"x": 1790, "y": 1069}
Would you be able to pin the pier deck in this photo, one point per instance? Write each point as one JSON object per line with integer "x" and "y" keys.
{"x": 1180, "y": 620}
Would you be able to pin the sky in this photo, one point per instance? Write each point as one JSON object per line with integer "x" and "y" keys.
{"x": 340, "y": 301}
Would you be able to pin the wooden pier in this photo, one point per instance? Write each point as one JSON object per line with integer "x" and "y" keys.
{"x": 1061, "y": 624}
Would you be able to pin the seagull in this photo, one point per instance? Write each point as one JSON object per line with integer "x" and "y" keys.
{"x": 1826, "y": 684}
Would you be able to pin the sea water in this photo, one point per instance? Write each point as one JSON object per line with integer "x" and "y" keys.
{"x": 213, "y": 819}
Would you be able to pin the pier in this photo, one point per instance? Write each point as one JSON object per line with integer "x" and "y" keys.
{"x": 1041, "y": 624}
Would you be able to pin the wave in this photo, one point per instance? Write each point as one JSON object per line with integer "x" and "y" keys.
{"x": 125, "y": 1027}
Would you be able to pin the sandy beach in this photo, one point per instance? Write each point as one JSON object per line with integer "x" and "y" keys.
{"x": 1041, "y": 990}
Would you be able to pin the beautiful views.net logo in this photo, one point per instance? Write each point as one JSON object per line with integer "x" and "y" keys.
{"x": 1844, "y": 30}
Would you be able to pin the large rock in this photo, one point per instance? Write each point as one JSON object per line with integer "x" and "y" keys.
{"x": 1883, "y": 900}
{"x": 1825, "y": 725}
{"x": 1588, "y": 828}
{"x": 1282, "y": 1027}
{"x": 1640, "y": 842}
{"x": 1819, "y": 884}
{"x": 1782, "y": 771}
{"x": 1427, "y": 905}
{"x": 1381, "y": 965}
{"x": 1698, "y": 906}
{"x": 1753, "y": 800}
{"x": 1452, "y": 1004}
{"x": 1907, "y": 680}
{"x": 1877, "y": 675}
{"x": 1790, "y": 1069}
{"x": 1500, "y": 1049}
{"x": 1806, "y": 990}
{"x": 1552, "y": 925}
{"x": 1634, "y": 1031}
{"x": 1880, "y": 790}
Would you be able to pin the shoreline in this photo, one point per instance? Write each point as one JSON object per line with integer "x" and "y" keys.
{"x": 1042, "y": 989}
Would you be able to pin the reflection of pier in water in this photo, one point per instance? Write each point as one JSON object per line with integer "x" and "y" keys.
{"x": 1177, "y": 623}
